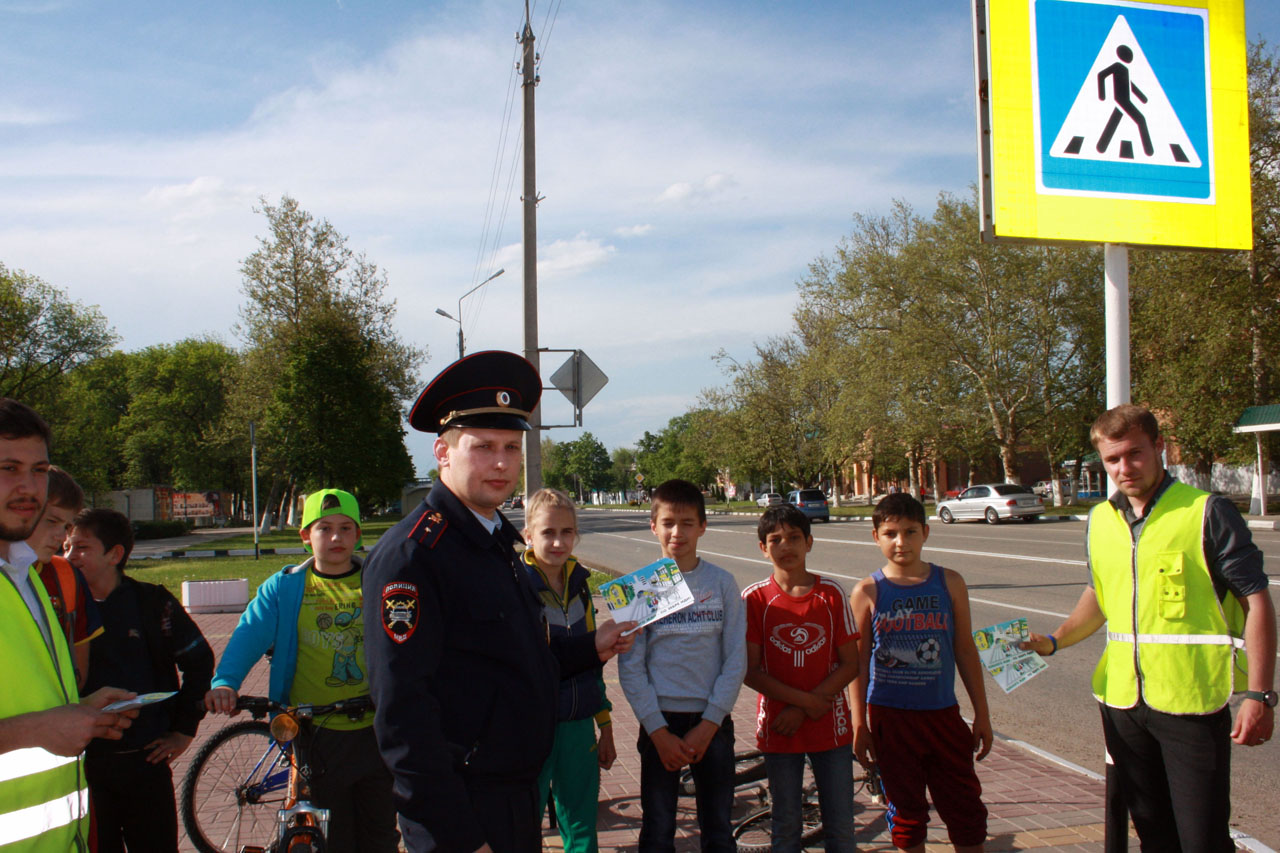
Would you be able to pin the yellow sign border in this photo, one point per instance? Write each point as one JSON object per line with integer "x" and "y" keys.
{"x": 1017, "y": 212}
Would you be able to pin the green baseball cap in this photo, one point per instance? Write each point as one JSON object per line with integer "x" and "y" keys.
{"x": 313, "y": 511}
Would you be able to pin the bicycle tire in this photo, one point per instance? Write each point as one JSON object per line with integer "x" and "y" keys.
{"x": 748, "y": 767}
{"x": 215, "y": 806}
{"x": 754, "y": 833}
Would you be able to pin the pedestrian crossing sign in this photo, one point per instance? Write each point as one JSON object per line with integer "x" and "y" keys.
{"x": 1114, "y": 121}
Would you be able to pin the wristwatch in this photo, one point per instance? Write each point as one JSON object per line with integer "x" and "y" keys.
{"x": 1269, "y": 698}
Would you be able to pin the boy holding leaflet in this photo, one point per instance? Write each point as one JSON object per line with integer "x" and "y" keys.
{"x": 682, "y": 679}
{"x": 802, "y": 652}
{"x": 572, "y": 772}
{"x": 915, "y": 618}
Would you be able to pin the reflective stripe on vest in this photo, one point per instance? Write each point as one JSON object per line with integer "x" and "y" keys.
{"x": 1159, "y": 589}
{"x": 1179, "y": 639}
{"x": 44, "y": 818}
{"x": 27, "y": 762}
{"x": 42, "y": 796}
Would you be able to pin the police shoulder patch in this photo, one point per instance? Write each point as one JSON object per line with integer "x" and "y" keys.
{"x": 400, "y": 610}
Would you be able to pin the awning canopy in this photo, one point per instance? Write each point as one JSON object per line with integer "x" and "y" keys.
{"x": 1259, "y": 419}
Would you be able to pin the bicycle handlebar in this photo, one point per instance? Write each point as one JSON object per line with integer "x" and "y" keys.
{"x": 260, "y": 706}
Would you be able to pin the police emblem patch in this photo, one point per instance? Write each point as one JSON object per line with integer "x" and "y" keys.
{"x": 400, "y": 610}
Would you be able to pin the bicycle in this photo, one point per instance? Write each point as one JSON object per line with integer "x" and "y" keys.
{"x": 248, "y": 787}
{"x": 754, "y": 832}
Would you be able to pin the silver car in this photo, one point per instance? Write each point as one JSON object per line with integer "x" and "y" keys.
{"x": 992, "y": 503}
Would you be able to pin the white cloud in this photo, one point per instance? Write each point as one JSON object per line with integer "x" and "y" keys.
{"x": 705, "y": 190}
{"x": 633, "y": 230}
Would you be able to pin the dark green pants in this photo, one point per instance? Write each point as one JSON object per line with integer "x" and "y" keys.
{"x": 572, "y": 774}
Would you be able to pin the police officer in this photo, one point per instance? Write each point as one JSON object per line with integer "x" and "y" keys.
{"x": 461, "y": 670}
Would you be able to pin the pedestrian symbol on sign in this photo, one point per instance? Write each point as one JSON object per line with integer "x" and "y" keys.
{"x": 1121, "y": 113}
{"x": 1122, "y": 100}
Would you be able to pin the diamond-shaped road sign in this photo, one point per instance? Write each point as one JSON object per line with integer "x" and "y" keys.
{"x": 578, "y": 379}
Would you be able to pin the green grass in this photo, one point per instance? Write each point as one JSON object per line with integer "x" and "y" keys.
{"x": 170, "y": 573}
{"x": 288, "y": 538}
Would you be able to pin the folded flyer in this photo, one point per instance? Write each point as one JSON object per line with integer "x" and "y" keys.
{"x": 999, "y": 652}
{"x": 139, "y": 701}
{"x": 648, "y": 594}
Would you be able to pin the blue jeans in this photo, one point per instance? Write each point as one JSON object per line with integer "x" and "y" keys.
{"x": 833, "y": 771}
{"x": 712, "y": 777}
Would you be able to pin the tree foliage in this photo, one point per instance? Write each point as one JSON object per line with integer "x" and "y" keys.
{"x": 325, "y": 375}
{"x": 43, "y": 335}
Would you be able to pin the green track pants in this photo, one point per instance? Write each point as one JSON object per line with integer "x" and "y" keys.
{"x": 572, "y": 774}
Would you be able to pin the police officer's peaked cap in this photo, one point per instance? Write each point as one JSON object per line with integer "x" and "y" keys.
{"x": 485, "y": 390}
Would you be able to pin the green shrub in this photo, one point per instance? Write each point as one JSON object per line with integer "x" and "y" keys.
{"x": 160, "y": 529}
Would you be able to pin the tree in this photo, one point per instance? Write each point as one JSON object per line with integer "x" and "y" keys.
{"x": 174, "y": 426}
{"x": 976, "y": 331}
{"x": 671, "y": 454}
{"x": 587, "y": 462}
{"x": 334, "y": 423}
{"x": 85, "y": 418}
{"x": 43, "y": 335}
{"x": 325, "y": 375}
{"x": 622, "y": 470}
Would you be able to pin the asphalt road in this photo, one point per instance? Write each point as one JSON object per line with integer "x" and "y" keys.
{"x": 1035, "y": 569}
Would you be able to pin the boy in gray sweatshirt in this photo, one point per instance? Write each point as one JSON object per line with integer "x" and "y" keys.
{"x": 682, "y": 679}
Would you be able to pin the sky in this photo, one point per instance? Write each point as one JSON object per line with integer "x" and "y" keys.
{"x": 693, "y": 159}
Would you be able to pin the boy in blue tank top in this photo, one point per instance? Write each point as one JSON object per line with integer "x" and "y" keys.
{"x": 915, "y": 616}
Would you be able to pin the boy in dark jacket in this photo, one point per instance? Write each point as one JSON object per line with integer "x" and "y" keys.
{"x": 148, "y": 639}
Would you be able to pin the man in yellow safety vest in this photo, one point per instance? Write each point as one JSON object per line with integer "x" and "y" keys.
{"x": 44, "y": 724}
{"x": 1176, "y": 577}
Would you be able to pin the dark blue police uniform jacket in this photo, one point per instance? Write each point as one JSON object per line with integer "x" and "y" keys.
{"x": 461, "y": 670}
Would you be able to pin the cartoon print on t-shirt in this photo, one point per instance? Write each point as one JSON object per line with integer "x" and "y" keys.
{"x": 345, "y": 637}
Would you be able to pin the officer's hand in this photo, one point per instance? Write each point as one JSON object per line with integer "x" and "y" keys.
{"x": 1037, "y": 643}
{"x": 67, "y": 729}
{"x": 115, "y": 722}
{"x": 1254, "y": 723}
{"x": 610, "y": 639}
{"x": 484, "y": 849}
{"x": 222, "y": 700}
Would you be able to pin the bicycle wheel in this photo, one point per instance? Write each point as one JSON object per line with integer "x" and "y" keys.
{"x": 233, "y": 789}
{"x": 754, "y": 832}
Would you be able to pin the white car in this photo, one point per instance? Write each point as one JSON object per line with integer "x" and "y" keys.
{"x": 992, "y": 503}
{"x": 769, "y": 499}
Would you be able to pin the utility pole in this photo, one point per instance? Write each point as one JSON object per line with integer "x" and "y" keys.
{"x": 529, "y": 80}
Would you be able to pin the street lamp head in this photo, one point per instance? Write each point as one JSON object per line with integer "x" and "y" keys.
{"x": 444, "y": 313}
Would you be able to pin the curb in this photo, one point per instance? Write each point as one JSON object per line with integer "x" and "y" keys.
{"x": 217, "y": 552}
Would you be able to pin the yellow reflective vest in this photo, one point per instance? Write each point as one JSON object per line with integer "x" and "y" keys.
{"x": 43, "y": 797}
{"x": 1170, "y": 641}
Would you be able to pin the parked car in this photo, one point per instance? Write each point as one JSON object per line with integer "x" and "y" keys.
{"x": 769, "y": 499}
{"x": 992, "y": 502}
{"x": 812, "y": 502}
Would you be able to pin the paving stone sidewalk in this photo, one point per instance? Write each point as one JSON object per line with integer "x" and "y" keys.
{"x": 1034, "y": 803}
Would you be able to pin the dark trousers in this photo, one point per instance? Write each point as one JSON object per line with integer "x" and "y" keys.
{"x": 1174, "y": 774}
{"x": 712, "y": 778}
{"x": 510, "y": 816}
{"x": 133, "y": 803}
{"x": 349, "y": 779}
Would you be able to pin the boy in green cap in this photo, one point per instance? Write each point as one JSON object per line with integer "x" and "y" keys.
{"x": 310, "y": 615}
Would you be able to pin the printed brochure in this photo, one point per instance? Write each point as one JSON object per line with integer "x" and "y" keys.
{"x": 139, "y": 701}
{"x": 648, "y": 594}
{"x": 998, "y": 649}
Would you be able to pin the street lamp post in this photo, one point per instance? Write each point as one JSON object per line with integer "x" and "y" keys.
{"x": 458, "y": 319}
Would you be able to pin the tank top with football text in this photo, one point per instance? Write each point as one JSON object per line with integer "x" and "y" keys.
{"x": 913, "y": 663}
